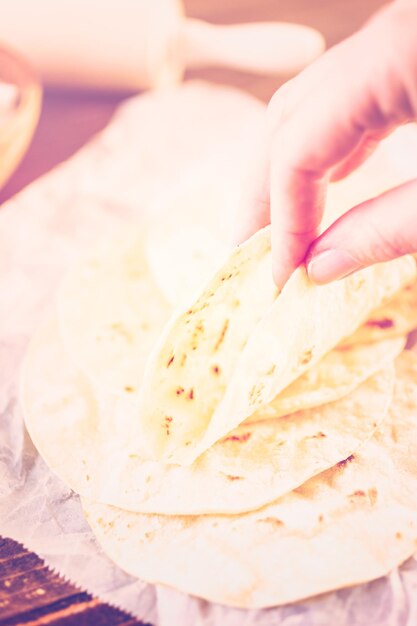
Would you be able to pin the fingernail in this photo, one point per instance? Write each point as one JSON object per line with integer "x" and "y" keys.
{"x": 331, "y": 265}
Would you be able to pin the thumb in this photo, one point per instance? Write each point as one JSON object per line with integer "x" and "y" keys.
{"x": 380, "y": 229}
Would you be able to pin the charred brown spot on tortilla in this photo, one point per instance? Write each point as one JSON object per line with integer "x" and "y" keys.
{"x": 216, "y": 370}
{"x": 87, "y": 477}
{"x": 198, "y": 308}
{"x": 398, "y": 535}
{"x": 271, "y": 370}
{"x": 359, "y": 493}
{"x": 319, "y": 435}
{"x": 343, "y": 463}
{"x": 190, "y": 395}
{"x": 272, "y": 520}
{"x": 255, "y": 394}
{"x": 198, "y": 330}
{"x": 240, "y": 438}
{"x": 122, "y": 331}
{"x": 306, "y": 357}
{"x": 170, "y": 361}
{"x": 373, "y": 495}
{"x": 383, "y": 323}
{"x": 321, "y": 518}
{"x": 129, "y": 389}
{"x": 230, "y": 477}
{"x": 221, "y": 336}
{"x": 179, "y": 391}
{"x": 394, "y": 434}
{"x": 167, "y": 423}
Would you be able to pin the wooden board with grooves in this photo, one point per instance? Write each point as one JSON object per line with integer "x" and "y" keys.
{"x": 32, "y": 594}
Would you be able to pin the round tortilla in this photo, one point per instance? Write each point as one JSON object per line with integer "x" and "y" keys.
{"x": 353, "y": 523}
{"x": 84, "y": 436}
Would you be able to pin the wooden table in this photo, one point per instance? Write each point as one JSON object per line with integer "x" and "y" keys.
{"x": 29, "y": 593}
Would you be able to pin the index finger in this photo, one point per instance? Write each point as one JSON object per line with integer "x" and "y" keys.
{"x": 343, "y": 103}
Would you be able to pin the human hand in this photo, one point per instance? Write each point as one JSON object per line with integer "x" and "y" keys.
{"x": 324, "y": 123}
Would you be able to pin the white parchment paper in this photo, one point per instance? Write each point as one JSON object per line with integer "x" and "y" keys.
{"x": 156, "y": 142}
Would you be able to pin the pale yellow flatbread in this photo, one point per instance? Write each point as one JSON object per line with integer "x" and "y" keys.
{"x": 238, "y": 346}
{"x": 352, "y": 523}
{"x": 338, "y": 373}
{"x": 111, "y": 312}
{"x": 83, "y": 435}
{"x": 183, "y": 258}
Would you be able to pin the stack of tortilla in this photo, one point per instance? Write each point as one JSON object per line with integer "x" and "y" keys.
{"x": 246, "y": 446}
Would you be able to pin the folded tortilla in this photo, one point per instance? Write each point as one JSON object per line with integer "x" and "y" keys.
{"x": 238, "y": 345}
{"x": 181, "y": 260}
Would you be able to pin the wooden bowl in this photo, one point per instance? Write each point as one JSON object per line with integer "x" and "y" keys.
{"x": 20, "y": 106}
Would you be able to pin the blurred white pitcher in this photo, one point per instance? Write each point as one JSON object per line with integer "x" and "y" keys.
{"x": 136, "y": 44}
